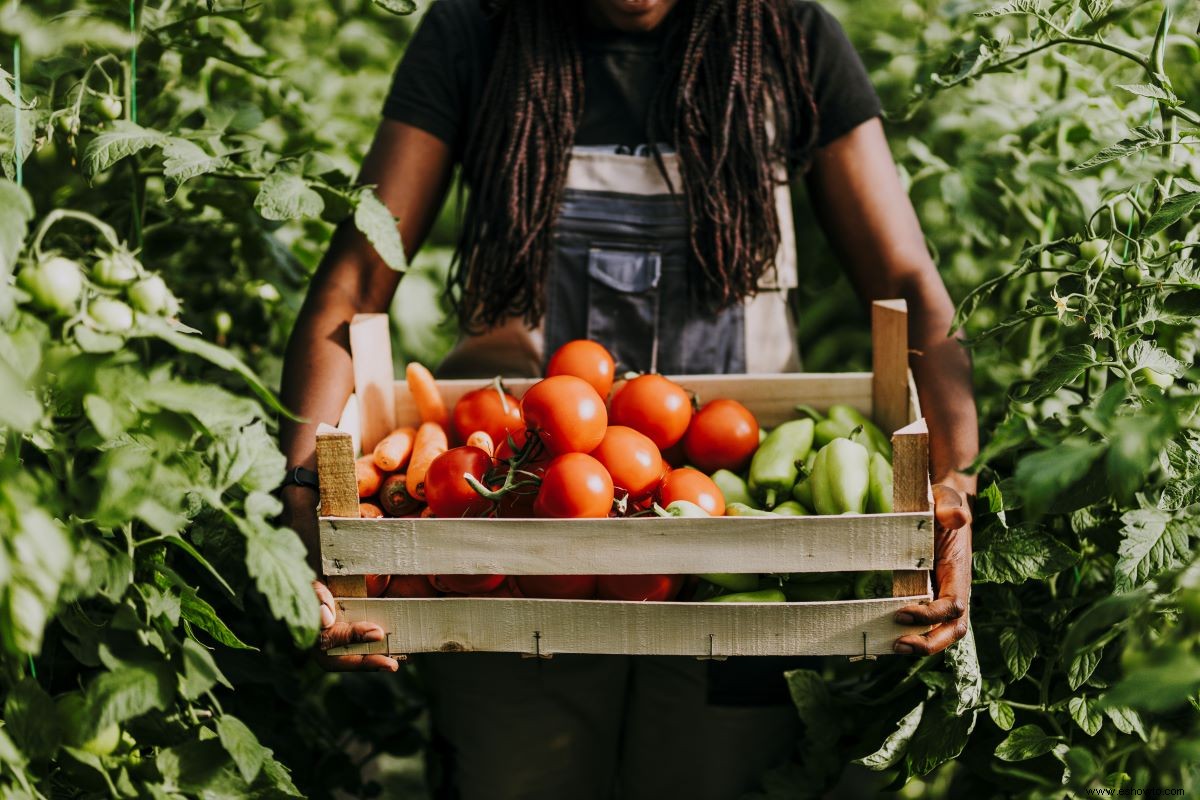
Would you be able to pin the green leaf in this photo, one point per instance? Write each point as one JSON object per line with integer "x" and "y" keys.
{"x": 1153, "y": 541}
{"x": 399, "y": 7}
{"x": 1027, "y": 741}
{"x": 1172, "y": 210}
{"x": 1082, "y": 665}
{"x": 1086, "y": 713}
{"x": 1153, "y": 92}
{"x": 201, "y": 769}
{"x": 16, "y": 210}
{"x": 198, "y": 612}
{"x": 1002, "y": 714}
{"x": 186, "y": 546}
{"x": 1066, "y": 366}
{"x": 242, "y": 746}
{"x": 896, "y": 744}
{"x": 1044, "y": 475}
{"x": 376, "y": 222}
{"x": 1020, "y": 553}
{"x": 19, "y": 409}
{"x": 200, "y": 672}
{"x": 963, "y": 660}
{"x": 279, "y": 779}
{"x": 184, "y": 160}
{"x": 277, "y": 562}
{"x": 1018, "y": 646}
{"x": 940, "y": 737}
{"x": 1160, "y": 686}
{"x": 285, "y": 196}
{"x": 129, "y": 692}
{"x": 1124, "y": 719}
{"x": 1144, "y": 138}
{"x": 124, "y": 139}
{"x": 1146, "y": 354}
{"x": 32, "y": 720}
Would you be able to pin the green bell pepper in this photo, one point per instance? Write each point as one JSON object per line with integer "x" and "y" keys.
{"x": 681, "y": 508}
{"x": 802, "y": 491}
{"x": 839, "y": 478}
{"x": 791, "y": 509}
{"x": 743, "y": 510}
{"x": 761, "y": 596}
{"x": 879, "y": 487}
{"x": 733, "y": 582}
{"x": 732, "y": 487}
{"x": 773, "y": 469}
{"x": 875, "y": 440}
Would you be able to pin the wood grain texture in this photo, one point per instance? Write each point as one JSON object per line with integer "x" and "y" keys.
{"x": 889, "y": 364}
{"x": 347, "y": 585}
{"x": 374, "y": 377}
{"x": 625, "y": 546}
{"x": 597, "y": 626}
{"x": 910, "y": 492}
{"x": 335, "y": 473}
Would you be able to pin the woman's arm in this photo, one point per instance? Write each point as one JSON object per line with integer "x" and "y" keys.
{"x": 870, "y": 222}
{"x": 411, "y": 169}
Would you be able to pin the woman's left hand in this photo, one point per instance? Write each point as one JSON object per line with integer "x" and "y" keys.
{"x": 952, "y": 579}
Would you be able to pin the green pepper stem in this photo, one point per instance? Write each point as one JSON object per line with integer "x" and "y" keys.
{"x": 770, "y": 498}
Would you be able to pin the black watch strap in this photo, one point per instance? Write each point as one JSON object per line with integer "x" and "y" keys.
{"x": 299, "y": 476}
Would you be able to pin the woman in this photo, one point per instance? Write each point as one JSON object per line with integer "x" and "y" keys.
{"x": 628, "y": 165}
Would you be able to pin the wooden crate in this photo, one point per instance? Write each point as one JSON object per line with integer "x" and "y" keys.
{"x": 903, "y": 541}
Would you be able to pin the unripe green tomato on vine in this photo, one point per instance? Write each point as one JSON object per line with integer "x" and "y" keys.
{"x": 1094, "y": 250}
{"x": 223, "y": 322}
{"x": 67, "y": 123}
{"x": 1154, "y": 378}
{"x": 108, "y": 106}
{"x": 110, "y": 315}
{"x": 72, "y": 714}
{"x": 54, "y": 284}
{"x": 1134, "y": 274}
{"x": 151, "y": 296}
{"x": 115, "y": 270}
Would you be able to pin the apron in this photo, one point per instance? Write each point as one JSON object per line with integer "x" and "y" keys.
{"x": 619, "y": 276}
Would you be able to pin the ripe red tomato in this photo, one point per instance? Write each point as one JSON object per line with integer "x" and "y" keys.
{"x": 723, "y": 435}
{"x": 505, "y": 453}
{"x": 587, "y": 360}
{"x": 410, "y": 586}
{"x": 657, "y": 407}
{"x": 695, "y": 487}
{"x": 566, "y": 413}
{"x": 486, "y": 409}
{"x": 377, "y": 585}
{"x": 466, "y": 584}
{"x": 631, "y": 459}
{"x": 558, "y": 587}
{"x": 575, "y": 485}
{"x": 447, "y": 491}
{"x": 639, "y": 587}
{"x": 507, "y": 589}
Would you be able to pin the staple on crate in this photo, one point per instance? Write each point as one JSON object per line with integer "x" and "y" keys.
{"x": 537, "y": 648}
{"x": 710, "y": 656}
{"x": 865, "y": 655}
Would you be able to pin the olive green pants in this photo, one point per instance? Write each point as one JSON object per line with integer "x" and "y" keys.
{"x": 580, "y": 727}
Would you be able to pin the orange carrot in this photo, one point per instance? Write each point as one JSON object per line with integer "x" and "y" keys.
{"x": 430, "y": 405}
{"x": 394, "y": 498}
{"x": 430, "y": 443}
{"x": 369, "y": 476}
{"x": 482, "y": 440}
{"x": 393, "y": 450}
{"x": 369, "y": 511}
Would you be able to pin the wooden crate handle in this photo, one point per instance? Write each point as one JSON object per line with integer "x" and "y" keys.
{"x": 339, "y": 495}
{"x": 910, "y": 492}
{"x": 374, "y": 377}
{"x": 890, "y": 405}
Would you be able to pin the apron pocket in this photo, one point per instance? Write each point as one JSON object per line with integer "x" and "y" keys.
{"x": 623, "y": 298}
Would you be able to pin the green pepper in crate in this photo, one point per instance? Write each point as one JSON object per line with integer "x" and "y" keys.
{"x": 743, "y": 510}
{"x": 873, "y": 584}
{"x": 732, "y": 487}
{"x": 773, "y": 469}
{"x": 839, "y": 478}
{"x": 791, "y": 509}
{"x": 733, "y": 582}
{"x": 761, "y": 596}
{"x": 879, "y": 487}
{"x": 875, "y": 440}
{"x": 802, "y": 491}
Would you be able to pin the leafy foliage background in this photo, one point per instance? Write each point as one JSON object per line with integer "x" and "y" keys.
{"x": 138, "y": 562}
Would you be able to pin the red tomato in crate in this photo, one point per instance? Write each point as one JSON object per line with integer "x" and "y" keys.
{"x": 566, "y": 414}
{"x": 722, "y": 435}
{"x": 639, "y": 587}
{"x": 507, "y": 589}
{"x": 693, "y": 486}
{"x": 410, "y": 586}
{"x": 631, "y": 459}
{"x": 466, "y": 584}
{"x": 587, "y": 360}
{"x": 575, "y": 485}
{"x": 446, "y": 489}
{"x": 654, "y": 405}
{"x": 486, "y": 409}
{"x": 377, "y": 585}
{"x": 557, "y": 587}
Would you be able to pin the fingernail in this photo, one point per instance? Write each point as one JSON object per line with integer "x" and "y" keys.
{"x": 904, "y": 619}
{"x": 395, "y": 666}
{"x": 326, "y": 617}
{"x": 902, "y": 649}
{"x": 373, "y": 636}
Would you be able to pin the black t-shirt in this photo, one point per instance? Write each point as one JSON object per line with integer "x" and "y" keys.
{"x": 439, "y": 82}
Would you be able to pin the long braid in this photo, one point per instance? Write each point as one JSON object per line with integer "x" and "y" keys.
{"x": 736, "y": 103}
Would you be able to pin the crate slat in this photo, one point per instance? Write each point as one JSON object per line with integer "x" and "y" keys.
{"x": 595, "y": 626}
{"x": 626, "y": 546}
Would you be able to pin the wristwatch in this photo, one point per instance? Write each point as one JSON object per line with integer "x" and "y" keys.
{"x": 299, "y": 476}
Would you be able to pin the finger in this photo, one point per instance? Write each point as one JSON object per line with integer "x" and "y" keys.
{"x": 328, "y": 604}
{"x": 937, "y": 640}
{"x": 361, "y": 663}
{"x": 344, "y": 633}
{"x": 950, "y": 508}
{"x": 944, "y": 609}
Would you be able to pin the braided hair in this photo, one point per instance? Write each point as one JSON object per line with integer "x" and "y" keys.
{"x": 736, "y": 102}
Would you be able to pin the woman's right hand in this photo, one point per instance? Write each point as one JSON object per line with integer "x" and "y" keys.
{"x": 336, "y": 634}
